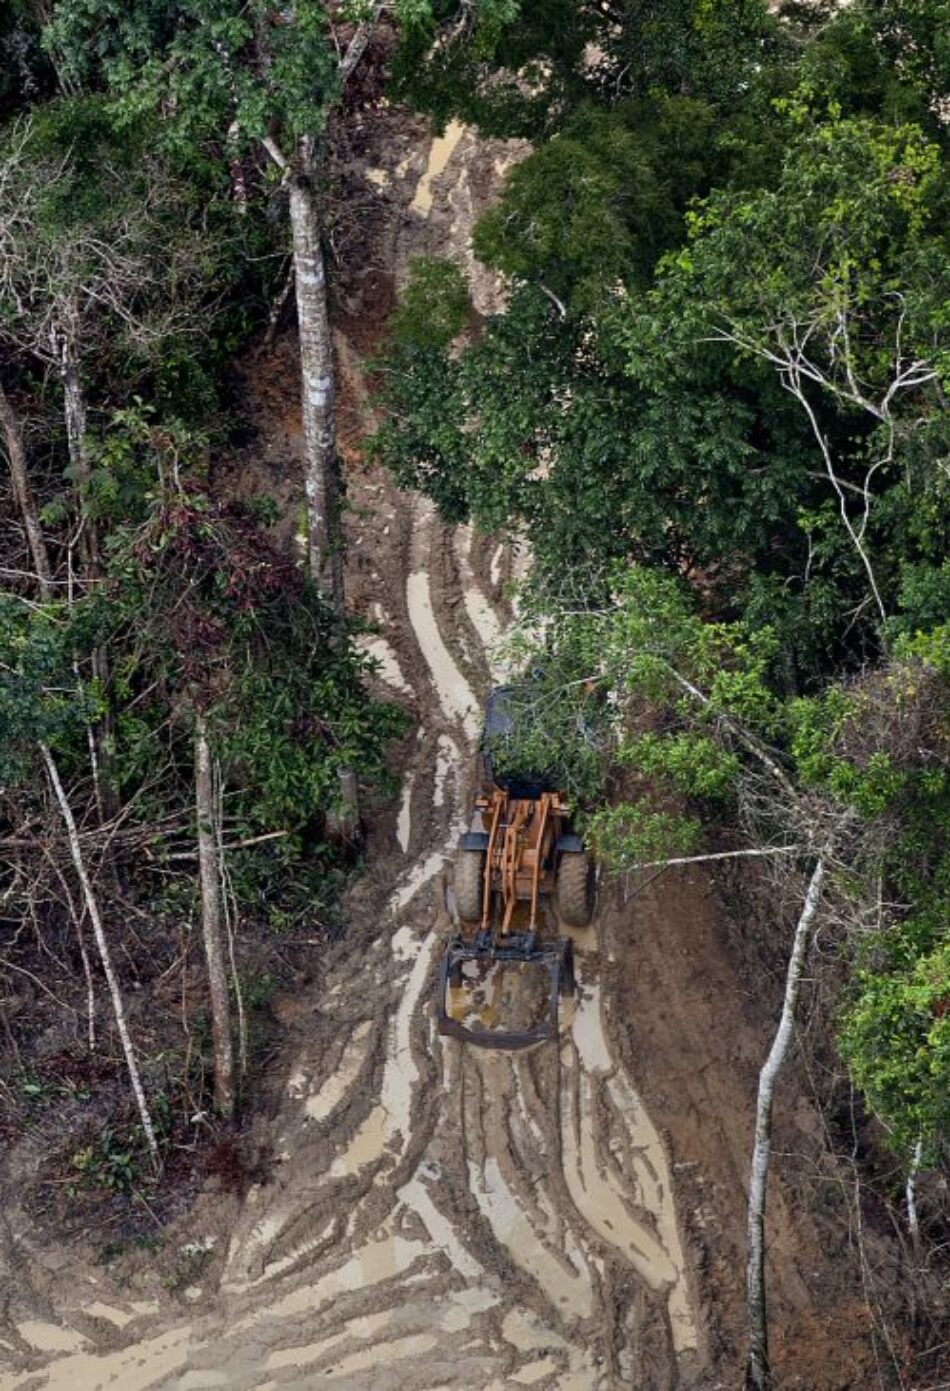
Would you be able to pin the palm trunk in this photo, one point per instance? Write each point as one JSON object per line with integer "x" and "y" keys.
{"x": 16, "y": 455}
{"x": 92, "y": 908}
{"x": 212, "y": 924}
{"x": 324, "y": 551}
{"x": 758, "y": 1374}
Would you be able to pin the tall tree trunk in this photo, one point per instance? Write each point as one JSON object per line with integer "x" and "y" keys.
{"x": 16, "y": 456}
{"x": 325, "y": 553}
{"x": 321, "y": 466}
{"x": 758, "y": 1374}
{"x": 212, "y": 924}
{"x": 92, "y": 908}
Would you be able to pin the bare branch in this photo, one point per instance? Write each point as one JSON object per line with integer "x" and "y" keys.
{"x": 358, "y": 44}
{"x": 275, "y": 152}
{"x": 105, "y": 956}
{"x": 758, "y": 1376}
{"x": 719, "y": 855}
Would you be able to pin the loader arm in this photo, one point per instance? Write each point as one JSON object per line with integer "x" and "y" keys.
{"x": 517, "y": 947}
{"x": 519, "y": 840}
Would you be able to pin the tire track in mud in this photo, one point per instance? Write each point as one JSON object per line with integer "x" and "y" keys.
{"x": 441, "y": 1217}
{"x": 444, "y": 1216}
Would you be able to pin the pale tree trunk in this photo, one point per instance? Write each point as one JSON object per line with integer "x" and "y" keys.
{"x": 344, "y": 824}
{"x": 913, "y": 1225}
{"x": 236, "y": 170}
{"x": 16, "y": 456}
{"x": 229, "y": 906}
{"x": 758, "y": 1374}
{"x": 325, "y": 554}
{"x": 92, "y": 908}
{"x": 913, "y": 1221}
{"x": 321, "y": 467}
{"x": 212, "y": 924}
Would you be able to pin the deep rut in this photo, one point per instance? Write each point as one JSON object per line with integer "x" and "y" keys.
{"x": 441, "y": 1216}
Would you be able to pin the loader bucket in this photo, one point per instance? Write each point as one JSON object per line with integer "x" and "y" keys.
{"x": 486, "y": 948}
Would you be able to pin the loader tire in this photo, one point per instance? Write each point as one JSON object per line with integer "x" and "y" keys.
{"x": 469, "y": 884}
{"x": 575, "y": 888}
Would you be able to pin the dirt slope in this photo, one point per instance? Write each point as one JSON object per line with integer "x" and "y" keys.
{"x": 568, "y": 1218}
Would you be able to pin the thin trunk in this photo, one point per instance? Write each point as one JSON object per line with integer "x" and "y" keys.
{"x": 90, "y": 989}
{"x": 358, "y": 44}
{"x": 92, "y": 908}
{"x": 913, "y": 1221}
{"x": 277, "y": 308}
{"x": 103, "y": 736}
{"x": 16, "y": 457}
{"x": 229, "y": 904}
{"x": 77, "y": 439}
{"x": 913, "y": 1224}
{"x": 212, "y": 924}
{"x": 76, "y": 917}
{"x": 236, "y": 170}
{"x": 758, "y": 1375}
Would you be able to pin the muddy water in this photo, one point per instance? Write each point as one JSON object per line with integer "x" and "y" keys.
{"x": 389, "y": 670}
{"x": 454, "y": 693}
{"x": 441, "y": 1216}
{"x": 431, "y": 1192}
{"x": 482, "y": 613}
{"x": 440, "y": 152}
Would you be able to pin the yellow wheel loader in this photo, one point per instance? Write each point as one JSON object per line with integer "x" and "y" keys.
{"x": 519, "y": 854}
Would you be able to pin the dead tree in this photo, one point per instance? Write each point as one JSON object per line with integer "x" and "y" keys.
{"x": 105, "y": 956}
{"x": 213, "y": 924}
{"x": 758, "y": 1376}
{"x": 67, "y": 294}
{"x": 789, "y": 347}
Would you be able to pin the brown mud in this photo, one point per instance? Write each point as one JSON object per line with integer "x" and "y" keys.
{"x": 439, "y": 1217}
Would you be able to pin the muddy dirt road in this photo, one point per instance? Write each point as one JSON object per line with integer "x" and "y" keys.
{"x": 440, "y": 1217}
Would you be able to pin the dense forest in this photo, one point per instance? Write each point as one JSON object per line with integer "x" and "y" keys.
{"x": 711, "y": 410}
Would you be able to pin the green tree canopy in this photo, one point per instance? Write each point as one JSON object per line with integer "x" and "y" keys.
{"x": 714, "y": 404}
